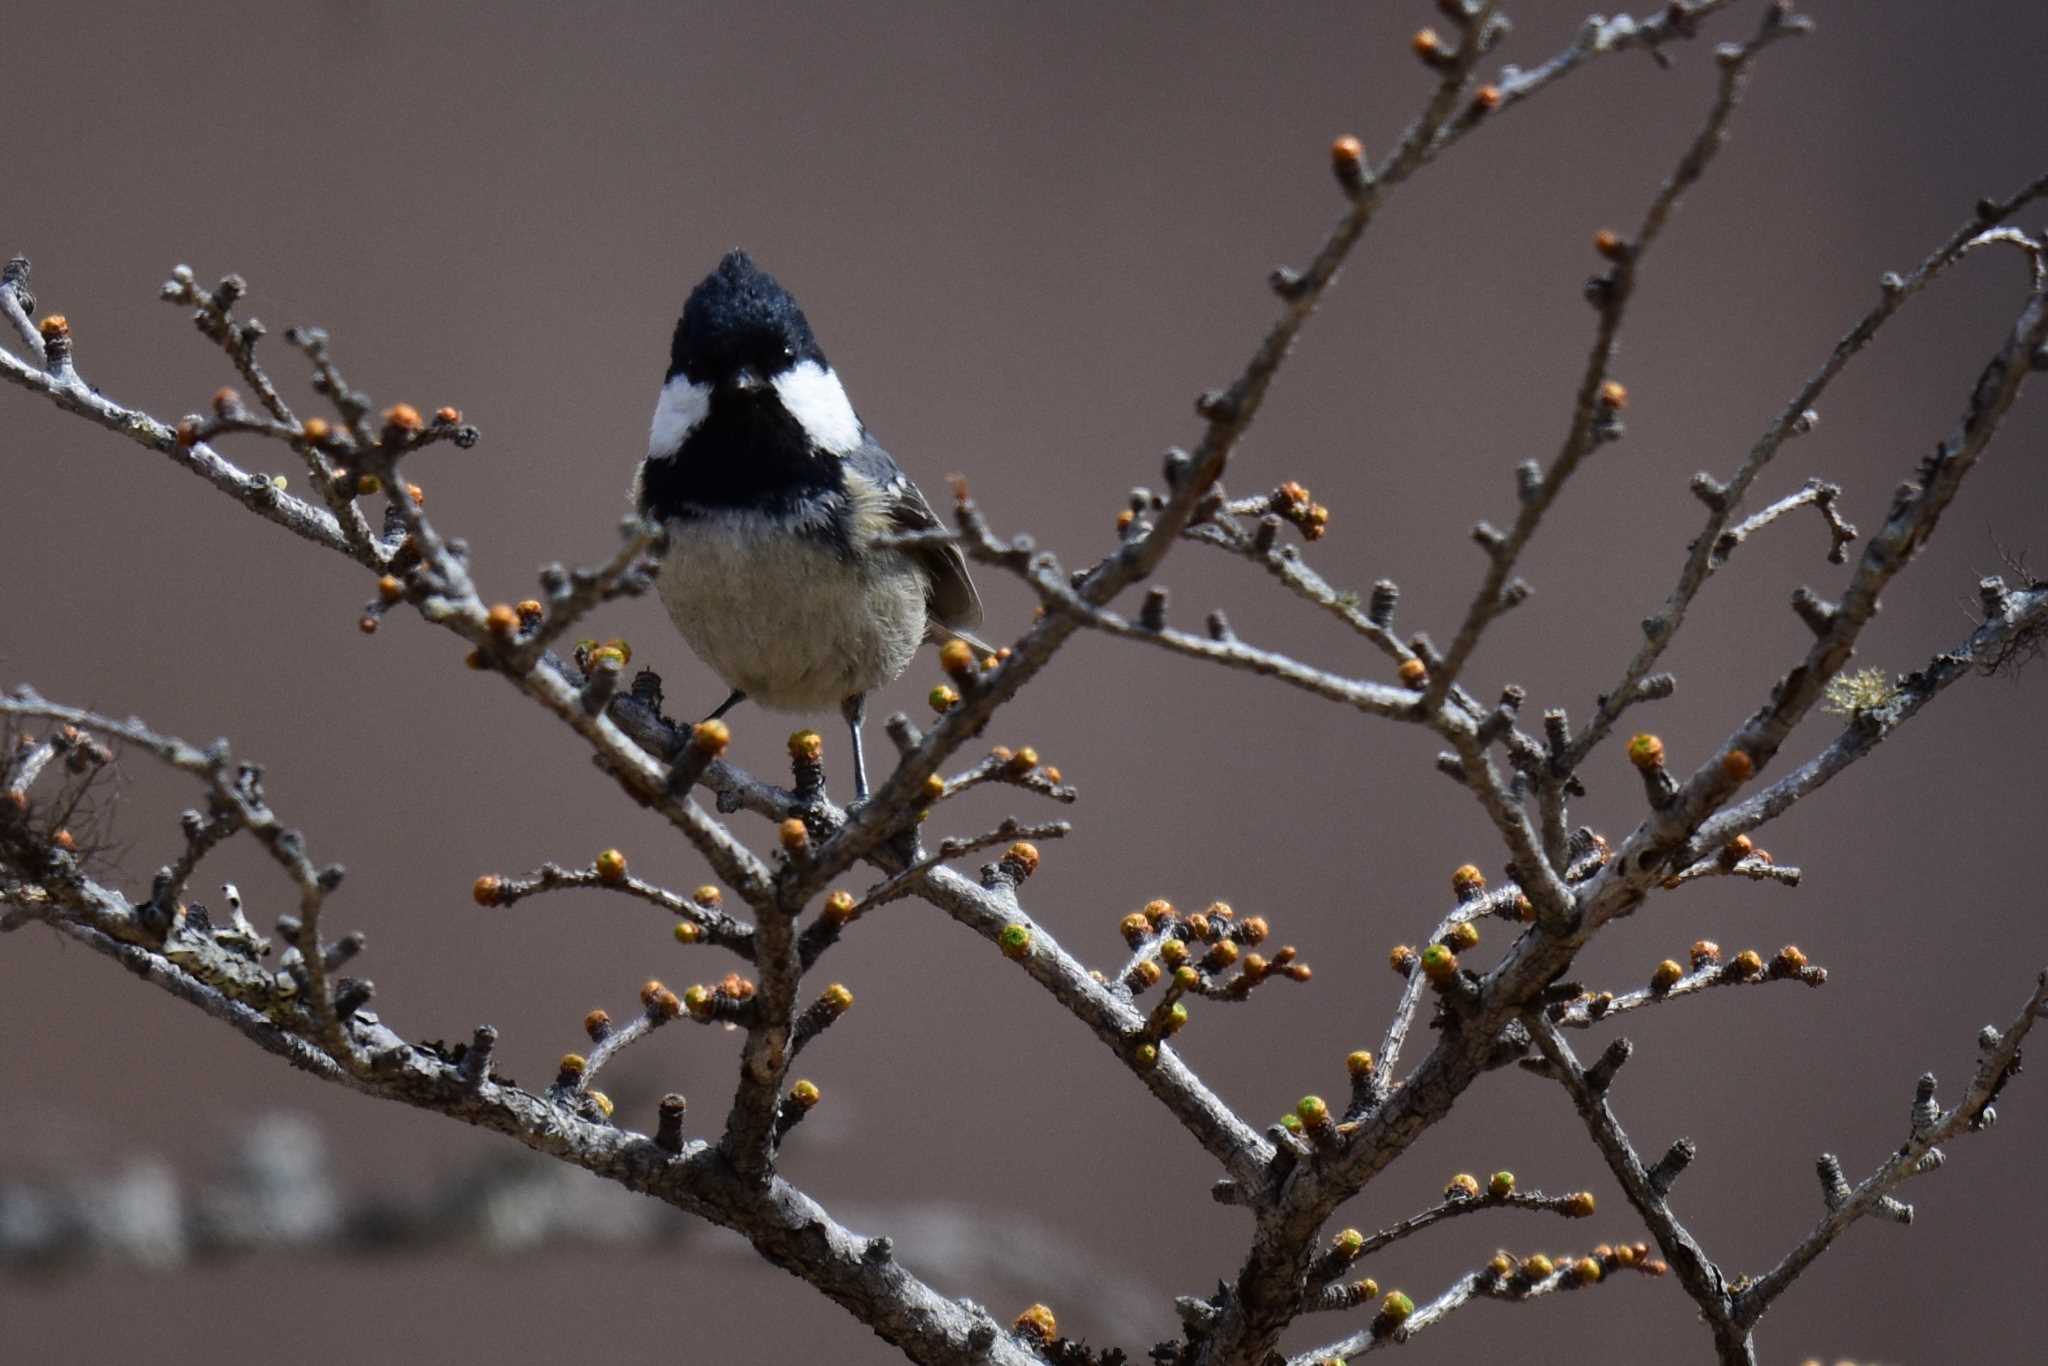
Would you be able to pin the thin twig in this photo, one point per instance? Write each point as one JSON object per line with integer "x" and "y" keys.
{"x": 239, "y": 789}
{"x": 1240, "y": 1149}
{"x": 1697, "y": 1272}
{"x": 1585, "y": 1013}
{"x": 1998, "y": 1062}
{"x": 1815, "y": 493}
{"x": 2020, "y": 615}
{"x": 1593, "y": 407}
{"x": 253, "y": 491}
{"x": 17, "y": 304}
{"x": 784, "y": 1224}
{"x": 1661, "y": 629}
{"x": 719, "y": 928}
{"x": 1411, "y": 994}
{"x": 1569, "y": 1206}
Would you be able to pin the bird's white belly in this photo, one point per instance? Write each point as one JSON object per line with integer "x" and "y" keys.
{"x": 786, "y": 621}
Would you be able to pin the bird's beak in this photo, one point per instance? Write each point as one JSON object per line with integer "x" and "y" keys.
{"x": 746, "y": 382}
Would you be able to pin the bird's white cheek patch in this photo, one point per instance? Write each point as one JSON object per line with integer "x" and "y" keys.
{"x": 815, "y": 398}
{"x": 680, "y": 408}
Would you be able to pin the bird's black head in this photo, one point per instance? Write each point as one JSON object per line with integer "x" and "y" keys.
{"x": 740, "y": 325}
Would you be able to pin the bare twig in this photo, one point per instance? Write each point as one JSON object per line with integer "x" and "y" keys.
{"x": 1814, "y": 493}
{"x": 1998, "y": 1063}
{"x": 238, "y": 788}
{"x": 253, "y": 491}
{"x": 2015, "y": 616}
{"x": 1598, "y": 37}
{"x": 719, "y": 927}
{"x": 1661, "y": 629}
{"x": 1697, "y": 1272}
{"x": 1513, "y": 1287}
{"x": 1597, "y": 400}
{"x": 783, "y": 1224}
{"x": 1111, "y": 1019}
{"x": 1708, "y": 973}
{"x": 572, "y": 594}
{"x": 1571, "y": 1205}
{"x": 1501, "y": 902}
{"x": 19, "y": 305}
{"x": 1285, "y": 563}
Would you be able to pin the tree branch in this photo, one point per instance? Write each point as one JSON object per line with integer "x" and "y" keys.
{"x": 1697, "y": 1272}
{"x": 1997, "y": 1065}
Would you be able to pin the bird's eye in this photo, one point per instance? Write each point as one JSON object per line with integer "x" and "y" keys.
{"x": 788, "y": 352}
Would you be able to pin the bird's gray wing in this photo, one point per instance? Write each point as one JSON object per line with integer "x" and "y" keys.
{"x": 953, "y": 601}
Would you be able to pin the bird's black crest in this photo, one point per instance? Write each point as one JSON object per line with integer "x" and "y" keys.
{"x": 740, "y": 318}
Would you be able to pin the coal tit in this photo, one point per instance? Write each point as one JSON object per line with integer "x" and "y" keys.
{"x": 774, "y": 497}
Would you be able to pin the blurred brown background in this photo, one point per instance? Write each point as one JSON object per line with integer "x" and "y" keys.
{"x": 1028, "y": 236}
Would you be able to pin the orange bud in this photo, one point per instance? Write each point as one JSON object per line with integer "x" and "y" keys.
{"x": 956, "y": 657}
{"x": 1037, "y": 1323}
{"x": 1347, "y": 158}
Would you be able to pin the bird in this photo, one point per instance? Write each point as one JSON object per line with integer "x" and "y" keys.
{"x": 778, "y": 505}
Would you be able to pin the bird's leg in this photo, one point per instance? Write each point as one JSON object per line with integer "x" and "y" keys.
{"x": 730, "y": 702}
{"x": 853, "y": 709}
